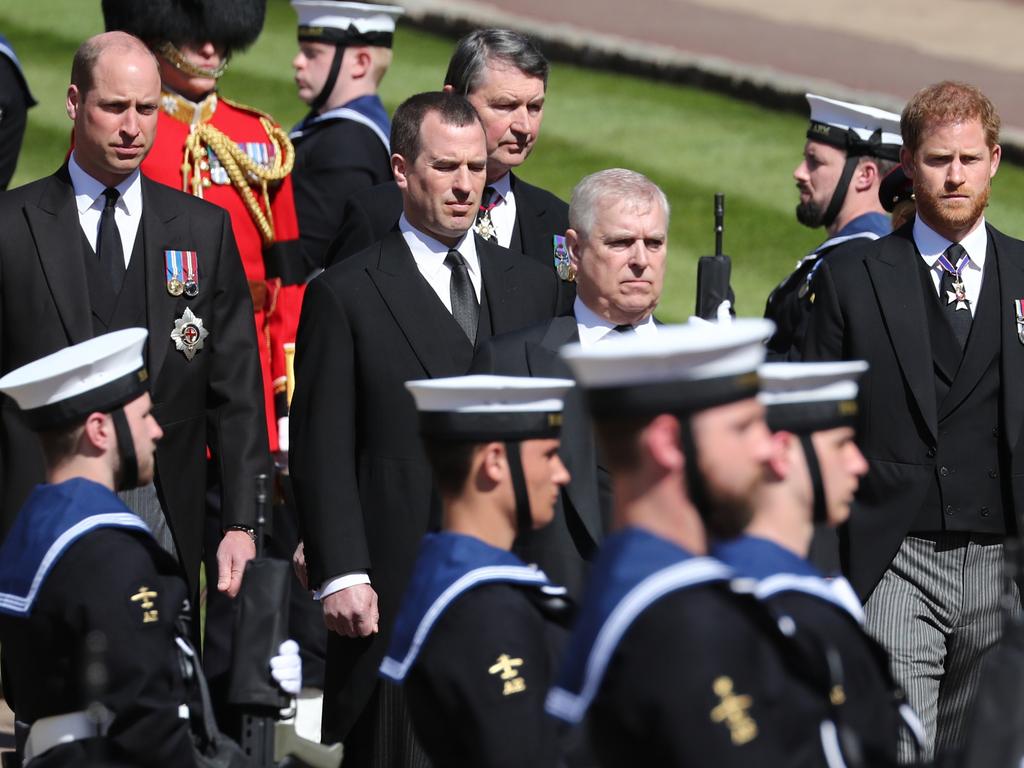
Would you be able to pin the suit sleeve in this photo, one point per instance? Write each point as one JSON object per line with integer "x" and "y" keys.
{"x": 236, "y": 422}
{"x": 323, "y": 459}
{"x": 354, "y": 234}
{"x": 823, "y": 339}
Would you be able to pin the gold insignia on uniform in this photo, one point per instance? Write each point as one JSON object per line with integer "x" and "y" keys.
{"x": 554, "y": 419}
{"x": 732, "y": 710}
{"x": 507, "y": 667}
{"x": 837, "y": 696}
{"x": 144, "y": 597}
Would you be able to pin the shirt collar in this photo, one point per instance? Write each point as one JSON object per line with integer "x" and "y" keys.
{"x": 430, "y": 253}
{"x": 931, "y": 244}
{"x": 88, "y": 190}
{"x": 592, "y": 327}
{"x": 503, "y": 186}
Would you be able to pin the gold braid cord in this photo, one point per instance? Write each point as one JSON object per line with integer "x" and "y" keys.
{"x": 243, "y": 171}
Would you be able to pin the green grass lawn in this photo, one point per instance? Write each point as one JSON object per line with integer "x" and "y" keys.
{"x": 690, "y": 142}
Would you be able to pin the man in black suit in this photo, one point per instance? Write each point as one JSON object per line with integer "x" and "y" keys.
{"x": 88, "y": 250}
{"x": 617, "y": 242}
{"x": 505, "y": 77}
{"x": 414, "y": 305}
{"x": 936, "y": 310}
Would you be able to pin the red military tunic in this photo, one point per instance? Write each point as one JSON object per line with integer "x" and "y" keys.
{"x": 185, "y": 157}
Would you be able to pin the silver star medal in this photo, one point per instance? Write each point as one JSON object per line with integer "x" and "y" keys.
{"x": 959, "y": 295}
{"x": 189, "y": 334}
{"x": 485, "y": 228}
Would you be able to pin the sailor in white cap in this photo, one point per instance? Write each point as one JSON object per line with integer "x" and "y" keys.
{"x": 849, "y": 149}
{"x": 812, "y": 476}
{"x": 669, "y": 665}
{"x": 342, "y": 145}
{"x": 84, "y": 586}
{"x": 475, "y": 637}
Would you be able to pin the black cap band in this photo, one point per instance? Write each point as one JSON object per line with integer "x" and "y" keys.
{"x": 671, "y": 396}
{"x": 350, "y": 36}
{"x": 849, "y": 140}
{"x": 484, "y": 427}
{"x": 101, "y": 399}
{"x": 805, "y": 418}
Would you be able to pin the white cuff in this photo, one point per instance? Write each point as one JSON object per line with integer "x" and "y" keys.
{"x": 338, "y": 583}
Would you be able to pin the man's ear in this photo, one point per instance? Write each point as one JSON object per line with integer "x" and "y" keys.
{"x": 660, "y": 439}
{"x": 493, "y": 465}
{"x": 398, "y": 168}
{"x": 866, "y": 176}
{"x": 907, "y": 161}
{"x": 73, "y": 103}
{"x": 448, "y": 89}
{"x": 99, "y": 431}
{"x": 572, "y": 244}
{"x": 781, "y": 461}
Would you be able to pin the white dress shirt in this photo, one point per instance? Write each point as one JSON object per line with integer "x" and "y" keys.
{"x": 90, "y": 202}
{"x": 931, "y": 245}
{"x": 429, "y": 255}
{"x": 503, "y": 214}
{"x": 593, "y": 328}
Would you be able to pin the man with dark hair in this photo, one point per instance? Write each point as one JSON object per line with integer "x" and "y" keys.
{"x": 849, "y": 149}
{"x": 617, "y": 243}
{"x": 341, "y": 146}
{"x": 15, "y": 101}
{"x": 414, "y": 305}
{"x": 668, "y": 663}
{"x": 936, "y": 310}
{"x": 84, "y": 252}
{"x": 476, "y": 637}
{"x": 811, "y": 479}
{"x": 504, "y": 76}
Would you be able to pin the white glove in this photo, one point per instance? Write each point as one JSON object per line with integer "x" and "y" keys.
{"x": 724, "y": 314}
{"x": 286, "y": 668}
{"x": 282, "y": 434}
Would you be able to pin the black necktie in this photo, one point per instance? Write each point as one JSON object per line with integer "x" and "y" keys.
{"x": 465, "y": 307}
{"x": 484, "y": 225}
{"x": 960, "y": 319}
{"x": 108, "y": 242}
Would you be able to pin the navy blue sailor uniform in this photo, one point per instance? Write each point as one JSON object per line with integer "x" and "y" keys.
{"x": 338, "y": 152}
{"x": 78, "y": 561}
{"x": 475, "y": 645}
{"x": 829, "y": 618}
{"x": 668, "y": 666}
{"x": 789, "y": 304}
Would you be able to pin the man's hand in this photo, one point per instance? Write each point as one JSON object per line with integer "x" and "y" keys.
{"x": 299, "y": 565}
{"x": 352, "y": 612}
{"x": 235, "y": 550}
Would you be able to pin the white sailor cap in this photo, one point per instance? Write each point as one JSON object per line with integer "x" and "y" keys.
{"x": 858, "y": 129}
{"x": 483, "y": 408}
{"x": 335, "y": 21}
{"x": 809, "y": 397}
{"x": 680, "y": 369}
{"x": 97, "y": 375}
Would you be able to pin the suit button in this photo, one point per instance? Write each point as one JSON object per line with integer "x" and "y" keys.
{"x": 984, "y": 512}
{"x": 931, "y": 453}
{"x": 944, "y": 471}
{"x": 949, "y": 510}
{"x": 993, "y": 474}
{"x": 995, "y": 432}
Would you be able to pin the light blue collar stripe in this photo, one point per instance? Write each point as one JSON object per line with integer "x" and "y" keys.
{"x": 571, "y": 707}
{"x": 21, "y": 604}
{"x": 810, "y": 585}
{"x": 396, "y": 670}
{"x": 348, "y": 114}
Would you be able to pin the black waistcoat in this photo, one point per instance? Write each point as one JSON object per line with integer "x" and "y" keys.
{"x": 968, "y": 493}
{"x": 115, "y": 311}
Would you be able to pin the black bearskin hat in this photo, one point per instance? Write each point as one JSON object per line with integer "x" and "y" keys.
{"x": 233, "y": 24}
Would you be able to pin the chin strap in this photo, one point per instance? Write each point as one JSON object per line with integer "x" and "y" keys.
{"x": 696, "y": 488}
{"x": 524, "y": 520}
{"x": 177, "y": 59}
{"x": 839, "y": 195}
{"x": 332, "y": 78}
{"x": 126, "y": 448}
{"x": 817, "y": 484}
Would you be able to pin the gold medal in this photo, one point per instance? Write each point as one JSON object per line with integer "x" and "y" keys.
{"x": 175, "y": 287}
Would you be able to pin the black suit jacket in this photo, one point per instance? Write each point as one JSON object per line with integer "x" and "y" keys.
{"x": 371, "y": 213}
{"x": 562, "y": 549}
{"x": 215, "y": 399}
{"x": 867, "y": 306}
{"x": 362, "y": 483}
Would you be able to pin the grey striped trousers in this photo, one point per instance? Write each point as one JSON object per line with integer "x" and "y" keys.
{"x": 937, "y": 612}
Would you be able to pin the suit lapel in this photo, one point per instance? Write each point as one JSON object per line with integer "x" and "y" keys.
{"x": 163, "y": 227}
{"x": 51, "y": 222}
{"x": 894, "y": 273}
{"x": 414, "y": 306}
{"x": 495, "y": 264}
{"x": 529, "y": 221}
{"x": 1010, "y": 259}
